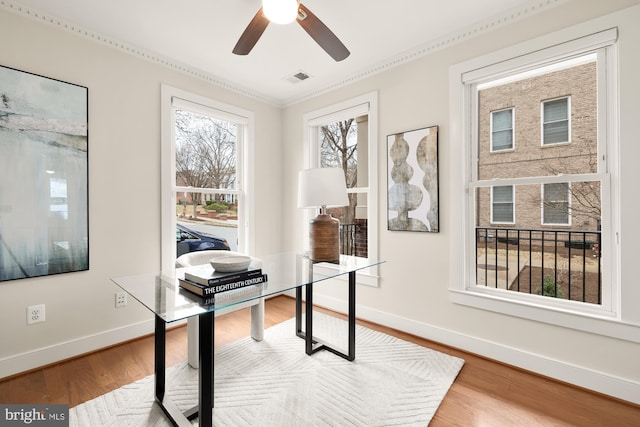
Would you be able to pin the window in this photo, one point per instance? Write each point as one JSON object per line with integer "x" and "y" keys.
{"x": 502, "y": 130}
{"x": 511, "y": 263}
{"x": 342, "y": 143}
{"x": 205, "y": 153}
{"x": 556, "y": 127}
{"x": 502, "y": 204}
{"x": 344, "y": 136}
{"x": 58, "y": 206}
{"x": 555, "y": 204}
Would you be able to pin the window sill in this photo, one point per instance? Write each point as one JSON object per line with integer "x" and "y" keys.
{"x": 597, "y": 323}
{"x": 554, "y": 144}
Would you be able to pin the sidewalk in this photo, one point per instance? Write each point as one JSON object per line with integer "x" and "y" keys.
{"x": 506, "y": 268}
{"x": 232, "y": 223}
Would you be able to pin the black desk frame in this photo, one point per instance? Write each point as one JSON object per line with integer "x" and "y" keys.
{"x": 204, "y": 410}
{"x": 313, "y": 344}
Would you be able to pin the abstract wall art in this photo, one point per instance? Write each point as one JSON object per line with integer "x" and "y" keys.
{"x": 412, "y": 181}
{"x": 43, "y": 176}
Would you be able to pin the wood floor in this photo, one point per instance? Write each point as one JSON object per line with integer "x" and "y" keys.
{"x": 485, "y": 393}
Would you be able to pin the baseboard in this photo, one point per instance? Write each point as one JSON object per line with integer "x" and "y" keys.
{"x": 619, "y": 388}
{"x": 599, "y": 382}
{"x": 44, "y": 356}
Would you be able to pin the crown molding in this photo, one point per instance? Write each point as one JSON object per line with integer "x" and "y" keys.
{"x": 506, "y": 18}
{"x": 497, "y": 21}
{"x": 134, "y": 50}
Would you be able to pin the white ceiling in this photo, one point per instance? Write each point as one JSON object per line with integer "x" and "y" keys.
{"x": 200, "y": 34}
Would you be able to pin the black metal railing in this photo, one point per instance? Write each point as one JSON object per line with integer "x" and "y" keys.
{"x": 556, "y": 263}
{"x": 348, "y": 239}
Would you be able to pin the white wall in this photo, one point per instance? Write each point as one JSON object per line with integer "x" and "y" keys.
{"x": 124, "y": 168}
{"x": 413, "y": 293}
{"x": 124, "y": 192}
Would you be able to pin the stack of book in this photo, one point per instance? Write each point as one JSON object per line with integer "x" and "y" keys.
{"x": 204, "y": 281}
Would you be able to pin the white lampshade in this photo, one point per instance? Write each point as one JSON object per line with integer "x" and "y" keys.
{"x": 322, "y": 187}
{"x": 280, "y": 11}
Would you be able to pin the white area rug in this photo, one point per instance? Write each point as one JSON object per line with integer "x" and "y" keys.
{"x": 274, "y": 383}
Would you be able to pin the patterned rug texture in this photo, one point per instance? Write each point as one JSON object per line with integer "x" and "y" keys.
{"x": 274, "y": 383}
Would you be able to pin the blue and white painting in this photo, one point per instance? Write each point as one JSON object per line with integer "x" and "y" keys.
{"x": 43, "y": 176}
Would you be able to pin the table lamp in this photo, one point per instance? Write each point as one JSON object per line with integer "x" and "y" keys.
{"x": 319, "y": 188}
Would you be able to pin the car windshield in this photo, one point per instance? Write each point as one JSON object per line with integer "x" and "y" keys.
{"x": 184, "y": 235}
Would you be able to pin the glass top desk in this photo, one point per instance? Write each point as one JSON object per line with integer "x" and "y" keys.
{"x": 162, "y": 295}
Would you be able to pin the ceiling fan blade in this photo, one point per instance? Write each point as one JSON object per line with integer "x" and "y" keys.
{"x": 251, "y": 34}
{"x": 322, "y": 34}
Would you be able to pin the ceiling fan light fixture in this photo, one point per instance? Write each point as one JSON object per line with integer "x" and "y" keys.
{"x": 280, "y": 11}
{"x": 294, "y": 10}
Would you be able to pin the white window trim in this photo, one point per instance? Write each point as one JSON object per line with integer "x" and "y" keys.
{"x": 513, "y": 131}
{"x": 582, "y": 38}
{"x": 168, "y": 187}
{"x": 542, "y": 122}
{"x": 364, "y": 104}
{"x": 569, "y": 216}
{"x": 513, "y": 204}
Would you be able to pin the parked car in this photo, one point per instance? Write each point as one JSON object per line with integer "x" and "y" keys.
{"x": 189, "y": 240}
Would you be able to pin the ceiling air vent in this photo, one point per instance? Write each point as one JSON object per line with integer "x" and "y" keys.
{"x": 297, "y": 77}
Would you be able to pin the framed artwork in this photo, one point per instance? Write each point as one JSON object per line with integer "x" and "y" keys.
{"x": 412, "y": 181}
{"x": 44, "y": 220}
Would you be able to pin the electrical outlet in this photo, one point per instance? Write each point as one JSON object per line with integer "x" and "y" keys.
{"x": 121, "y": 299}
{"x": 35, "y": 314}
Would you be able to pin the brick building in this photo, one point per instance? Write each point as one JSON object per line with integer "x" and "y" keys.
{"x": 539, "y": 126}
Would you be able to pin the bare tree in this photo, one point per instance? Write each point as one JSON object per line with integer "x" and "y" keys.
{"x": 205, "y": 152}
{"x": 339, "y": 150}
{"x": 585, "y": 196}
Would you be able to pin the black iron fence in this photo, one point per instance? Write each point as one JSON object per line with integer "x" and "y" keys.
{"x": 354, "y": 238}
{"x": 348, "y": 239}
{"x": 555, "y": 263}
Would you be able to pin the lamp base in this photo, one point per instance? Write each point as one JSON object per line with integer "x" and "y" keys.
{"x": 324, "y": 238}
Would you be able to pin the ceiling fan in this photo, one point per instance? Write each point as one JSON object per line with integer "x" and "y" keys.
{"x": 284, "y": 12}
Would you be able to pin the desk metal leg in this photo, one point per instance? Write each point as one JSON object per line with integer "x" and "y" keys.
{"x": 352, "y": 316}
{"x": 168, "y": 407}
{"x": 204, "y": 409}
{"x": 307, "y": 334}
{"x": 308, "y": 324}
{"x": 313, "y": 344}
{"x": 205, "y": 372}
{"x": 299, "y": 312}
{"x": 159, "y": 357}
